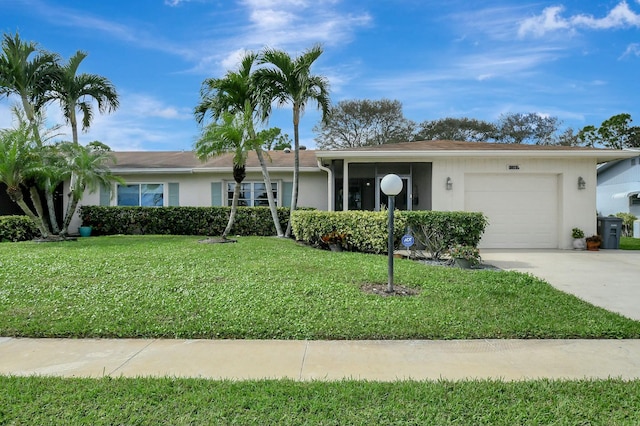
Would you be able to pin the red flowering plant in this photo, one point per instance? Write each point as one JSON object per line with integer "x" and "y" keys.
{"x": 334, "y": 237}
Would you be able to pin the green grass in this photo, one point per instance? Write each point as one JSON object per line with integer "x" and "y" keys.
{"x": 270, "y": 288}
{"x": 629, "y": 243}
{"x": 40, "y": 400}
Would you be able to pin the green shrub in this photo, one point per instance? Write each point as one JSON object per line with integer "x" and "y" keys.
{"x": 180, "y": 220}
{"x": 367, "y": 231}
{"x": 17, "y": 228}
{"x": 464, "y": 228}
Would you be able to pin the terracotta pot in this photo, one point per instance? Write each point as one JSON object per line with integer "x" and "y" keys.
{"x": 593, "y": 246}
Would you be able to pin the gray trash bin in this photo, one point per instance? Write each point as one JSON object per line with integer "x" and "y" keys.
{"x": 610, "y": 229}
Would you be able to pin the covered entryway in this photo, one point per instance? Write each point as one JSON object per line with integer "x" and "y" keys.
{"x": 522, "y": 209}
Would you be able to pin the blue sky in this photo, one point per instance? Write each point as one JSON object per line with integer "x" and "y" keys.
{"x": 575, "y": 60}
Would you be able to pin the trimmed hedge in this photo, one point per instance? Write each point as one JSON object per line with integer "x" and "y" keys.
{"x": 464, "y": 228}
{"x": 367, "y": 231}
{"x": 17, "y": 228}
{"x": 180, "y": 220}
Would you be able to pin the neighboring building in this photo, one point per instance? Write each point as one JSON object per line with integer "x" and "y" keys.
{"x": 533, "y": 195}
{"x": 619, "y": 187}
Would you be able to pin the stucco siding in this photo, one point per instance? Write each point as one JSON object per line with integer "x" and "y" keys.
{"x": 575, "y": 207}
{"x": 195, "y": 188}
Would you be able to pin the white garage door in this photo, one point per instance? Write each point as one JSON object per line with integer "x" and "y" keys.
{"x": 522, "y": 209}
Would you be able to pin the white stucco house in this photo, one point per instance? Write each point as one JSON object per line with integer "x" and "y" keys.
{"x": 619, "y": 186}
{"x": 532, "y": 195}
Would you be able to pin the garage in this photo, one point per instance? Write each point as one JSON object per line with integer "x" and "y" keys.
{"x": 522, "y": 209}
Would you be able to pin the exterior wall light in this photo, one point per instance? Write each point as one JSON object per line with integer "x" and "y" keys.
{"x": 581, "y": 183}
{"x": 391, "y": 185}
{"x": 449, "y": 184}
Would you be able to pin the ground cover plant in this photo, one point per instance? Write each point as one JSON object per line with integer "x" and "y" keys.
{"x": 629, "y": 243}
{"x": 271, "y": 288}
{"x": 41, "y": 400}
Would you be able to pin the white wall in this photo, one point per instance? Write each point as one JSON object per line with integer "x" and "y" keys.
{"x": 576, "y": 208}
{"x": 195, "y": 189}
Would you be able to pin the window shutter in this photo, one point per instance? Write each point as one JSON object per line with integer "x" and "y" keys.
{"x": 287, "y": 187}
{"x": 174, "y": 194}
{"x": 105, "y": 195}
{"x": 216, "y": 193}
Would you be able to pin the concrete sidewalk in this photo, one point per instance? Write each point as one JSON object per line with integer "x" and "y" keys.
{"x": 322, "y": 360}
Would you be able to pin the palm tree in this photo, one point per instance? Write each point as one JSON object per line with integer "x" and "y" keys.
{"x": 88, "y": 167}
{"x": 289, "y": 80}
{"x": 76, "y": 91}
{"x": 234, "y": 94}
{"x": 28, "y": 72}
{"x": 19, "y": 163}
{"x": 228, "y": 134}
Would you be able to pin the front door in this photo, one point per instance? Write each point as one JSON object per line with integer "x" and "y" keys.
{"x": 403, "y": 199}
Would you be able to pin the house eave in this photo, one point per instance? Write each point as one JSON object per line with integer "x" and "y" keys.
{"x": 150, "y": 171}
{"x": 254, "y": 169}
{"x": 599, "y": 156}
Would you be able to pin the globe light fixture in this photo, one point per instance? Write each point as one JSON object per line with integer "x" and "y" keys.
{"x": 391, "y": 185}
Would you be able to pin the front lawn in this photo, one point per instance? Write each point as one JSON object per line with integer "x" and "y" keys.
{"x": 41, "y": 400}
{"x": 270, "y": 288}
{"x": 629, "y": 243}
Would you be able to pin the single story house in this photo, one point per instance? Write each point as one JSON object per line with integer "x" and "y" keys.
{"x": 532, "y": 195}
{"x": 619, "y": 186}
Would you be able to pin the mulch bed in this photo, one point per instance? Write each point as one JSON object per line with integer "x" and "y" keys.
{"x": 381, "y": 290}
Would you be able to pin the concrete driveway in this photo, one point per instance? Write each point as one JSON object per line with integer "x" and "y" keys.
{"x": 605, "y": 278}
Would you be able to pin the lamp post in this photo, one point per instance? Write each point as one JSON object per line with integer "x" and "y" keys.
{"x": 391, "y": 185}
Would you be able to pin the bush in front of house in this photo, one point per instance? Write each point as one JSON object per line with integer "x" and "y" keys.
{"x": 452, "y": 228}
{"x": 367, "y": 231}
{"x": 179, "y": 220}
{"x": 17, "y": 228}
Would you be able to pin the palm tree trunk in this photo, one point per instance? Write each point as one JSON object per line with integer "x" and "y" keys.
{"x": 296, "y": 166}
{"x": 71, "y": 209}
{"x": 44, "y": 232}
{"x": 267, "y": 182}
{"x": 16, "y": 196}
{"x": 31, "y": 116}
{"x": 37, "y": 204}
{"x": 74, "y": 125}
{"x": 48, "y": 191}
{"x": 234, "y": 209}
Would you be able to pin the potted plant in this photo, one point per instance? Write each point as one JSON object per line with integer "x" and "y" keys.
{"x": 578, "y": 239}
{"x": 335, "y": 240}
{"x": 85, "y": 231}
{"x": 465, "y": 256}
{"x": 593, "y": 242}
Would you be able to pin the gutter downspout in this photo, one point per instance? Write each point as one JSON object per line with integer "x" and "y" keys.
{"x": 330, "y": 196}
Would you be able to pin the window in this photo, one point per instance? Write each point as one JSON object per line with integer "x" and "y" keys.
{"x": 141, "y": 194}
{"x": 252, "y": 193}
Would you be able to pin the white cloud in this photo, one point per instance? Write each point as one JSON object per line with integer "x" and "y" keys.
{"x": 550, "y": 20}
{"x": 145, "y": 106}
{"x": 297, "y": 23}
{"x": 632, "y": 50}
{"x": 292, "y": 25}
